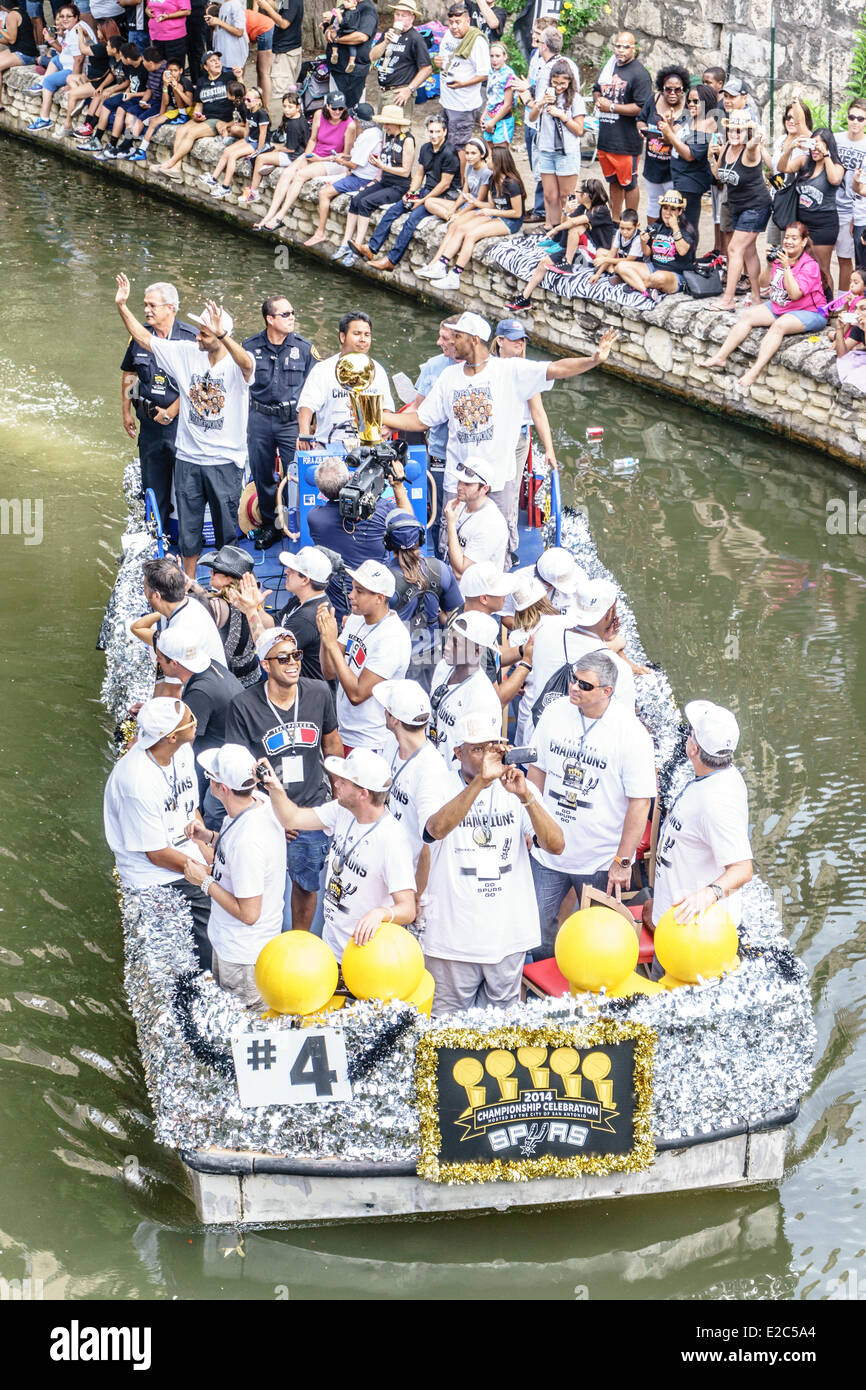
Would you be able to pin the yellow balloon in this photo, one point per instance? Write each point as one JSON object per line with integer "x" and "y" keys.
{"x": 671, "y": 982}
{"x": 704, "y": 946}
{"x": 335, "y": 1002}
{"x": 390, "y": 966}
{"x": 596, "y": 948}
{"x": 634, "y": 984}
{"x": 296, "y": 973}
{"x": 422, "y": 998}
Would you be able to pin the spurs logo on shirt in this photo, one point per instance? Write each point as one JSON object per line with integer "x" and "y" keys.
{"x": 207, "y": 398}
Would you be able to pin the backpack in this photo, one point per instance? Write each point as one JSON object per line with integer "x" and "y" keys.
{"x": 425, "y": 651}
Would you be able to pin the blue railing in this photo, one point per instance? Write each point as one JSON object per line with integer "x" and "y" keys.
{"x": 151, "y": 513}
{"x": 556, "y": 505}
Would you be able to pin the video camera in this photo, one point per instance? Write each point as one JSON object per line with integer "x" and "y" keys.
{"x": 373, "y": 466}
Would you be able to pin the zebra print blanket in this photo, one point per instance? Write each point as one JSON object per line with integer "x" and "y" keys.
{"x": 519, "y": 256}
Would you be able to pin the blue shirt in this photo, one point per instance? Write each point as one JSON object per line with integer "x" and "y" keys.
{"x": 431, "y": 370}
{"x": 365, "y": 541}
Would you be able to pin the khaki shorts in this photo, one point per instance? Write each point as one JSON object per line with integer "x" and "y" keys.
{"x": 285, "y": 70}
{"x": 239, "y": 980}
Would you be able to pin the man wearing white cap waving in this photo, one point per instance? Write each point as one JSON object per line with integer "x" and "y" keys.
{"x": 213, "y": 376}
{"x": 244, "y": 874}
{"x": 482, "y": 399}
{"x": 151, "y": 798}
{"x": 373, "y": 646}
{"x": 704, "y": 855}
{"x": 370, "y": 875}
{"x": 476, "y": 530}
{"x": 482, "y": 916}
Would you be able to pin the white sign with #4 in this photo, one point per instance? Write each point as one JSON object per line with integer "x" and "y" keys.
{"x": 304, "y": 1067}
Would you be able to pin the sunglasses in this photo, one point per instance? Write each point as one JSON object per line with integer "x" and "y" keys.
{"x": 582, "y": 684}
{"x": 285, "y": 314}
{"x": 188, "y": 724}
{"x": 675, "y": 90}
{"x": 856, "y": 118}
{"x": 287, "y": 659}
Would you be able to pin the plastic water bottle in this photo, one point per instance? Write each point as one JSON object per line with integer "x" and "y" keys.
{"x": 625, "y": 465}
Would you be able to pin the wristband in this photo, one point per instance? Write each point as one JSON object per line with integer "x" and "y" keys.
{"x": 525, "y": 664}
{"x": 220, "y": 336}
{"x": 718, "y": 891}
{"x": 207, "y": 884}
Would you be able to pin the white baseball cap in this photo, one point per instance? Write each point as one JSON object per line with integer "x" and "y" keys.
{"x": 477, "y": 726}
{"x": 177, "y": 646}
{"x": 528, "y": 592}
{"x": 309, "y": 561}
{"x": 406, "y": 700}
{"x": 715, "y": 728}
{"x": 473, "y": 324}
{"x": 557, "y": 566}
{"x": 226, "y": 325}
{"x": 363, "y": 767}
{"x": 479, "y": 628}
{"x": 592, "y": 601}
{"x": 270, "y": 638}
{"x": 476, "y": 470}
{"x": 375, "y": 577}
{"x": 484, "y": 578}
{"x": 232, "y": 764}
{"x": 156, "y": 718}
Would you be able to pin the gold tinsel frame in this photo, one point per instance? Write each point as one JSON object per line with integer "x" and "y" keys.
{"x": 599, "y": 1033}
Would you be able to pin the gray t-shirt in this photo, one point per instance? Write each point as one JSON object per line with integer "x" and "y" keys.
{"x": 476, "y": 179}
{"x": 852, "y": 154}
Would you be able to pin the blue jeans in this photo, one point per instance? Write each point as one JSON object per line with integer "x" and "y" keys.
{"x": 551, "y": 886}
{"x": 529, "y": 137}
{"x": 55, "y": 78}
{"x": 407, "y": 231}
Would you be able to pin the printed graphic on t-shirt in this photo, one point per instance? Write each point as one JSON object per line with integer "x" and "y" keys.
{"x": 615, "y": 90}
{"x": 356, "y": 652}
{"x": 664, "y": 247}
{"x": 281, "y": 738}
{"x": 810, "y": 195}
{"x": 207, "y": 398}
{"x": 729, "y": 174}
{"x": 778, "y": 293}
{"x": 473, "y": 410}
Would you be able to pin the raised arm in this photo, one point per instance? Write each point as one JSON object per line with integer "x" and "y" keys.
{"x": 575, "y": 366}
{"x": 136, "y": 330}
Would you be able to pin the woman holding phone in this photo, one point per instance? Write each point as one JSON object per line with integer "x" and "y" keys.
{"x": 559, "y": 112}
{"x": 814, "y": 159}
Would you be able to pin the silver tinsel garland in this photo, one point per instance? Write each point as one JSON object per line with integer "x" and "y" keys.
{"x": 729, "y": 1052}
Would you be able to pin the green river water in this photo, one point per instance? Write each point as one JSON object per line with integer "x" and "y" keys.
{"x": 719, "y": 537}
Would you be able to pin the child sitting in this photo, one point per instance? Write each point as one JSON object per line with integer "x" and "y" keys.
{"x": 176, "y": 105}
{"x": 587, "y": 226}
{"x": 246, "y": 146}
{"x": 288, "y": 141}
{"x": 626, "y": 246}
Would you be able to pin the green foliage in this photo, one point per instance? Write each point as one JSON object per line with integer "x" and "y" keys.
{"x": 856, "y": 86}
{"x": 516, "y": 59}
{"x": 575, "y": 16}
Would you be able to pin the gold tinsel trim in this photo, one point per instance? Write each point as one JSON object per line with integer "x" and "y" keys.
{"x": 601, "y": 1032}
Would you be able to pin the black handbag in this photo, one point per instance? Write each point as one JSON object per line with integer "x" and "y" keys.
{"x": 786, "y": 206}
{"x": 556, "y": 687}
{"x": 703, "y": 283}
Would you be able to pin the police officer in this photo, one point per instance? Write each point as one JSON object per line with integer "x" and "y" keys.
{"x": 150, "y": 393}
{"x": 283, "y": 360}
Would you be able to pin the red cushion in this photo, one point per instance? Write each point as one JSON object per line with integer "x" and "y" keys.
{"x": 547, "y": 976}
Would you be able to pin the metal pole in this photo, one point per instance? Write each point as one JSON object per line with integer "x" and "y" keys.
{"x": 730, "y": 50}
{"x": 772, "y": 72}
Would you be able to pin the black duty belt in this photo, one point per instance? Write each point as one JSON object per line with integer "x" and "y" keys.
{"x": 284, "y": 411}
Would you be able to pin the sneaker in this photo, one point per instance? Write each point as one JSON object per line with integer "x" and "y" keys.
{"x": 110, "y": 152}
{"x": 124, "y": 149}
{"x": 137, "y": 157}
{"x": 179, "y": 120}
{"x": 84, "y": 132}
{"x": 220, "y": 191}
{"x": 247, "y": 197}
{"x": 432, "y": 272}
{"x": 340, "y": 251}
{"x": 34, "y": 87}
{"x": 90, "y": 146}
{"x": 41, "y": 123}
{"x": 451, "y": 281}
{"x": 549, "y": 243}
{"x": 207, "y": 179}
{"x": 348, "y": 258}
{"x": 563, "y": 269}
{"x": 99, "y": 154}
{"x": 60, "y": 132}
{"x": 519, "y": 304}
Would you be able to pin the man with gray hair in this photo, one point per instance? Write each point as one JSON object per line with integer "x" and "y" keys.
{"x": 596, "y": 773}
{"x": 151, "y": 394}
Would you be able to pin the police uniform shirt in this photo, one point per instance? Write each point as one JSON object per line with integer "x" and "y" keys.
{"x": 155, "y": 383}
{"x": 280, "y": 370}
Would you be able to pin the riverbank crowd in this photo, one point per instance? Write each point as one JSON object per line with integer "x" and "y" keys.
{"x": 340, "y": 760}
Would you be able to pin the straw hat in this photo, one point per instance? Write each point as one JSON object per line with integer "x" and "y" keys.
{"x": 405, "y": 5}
{"x": 249, "y": 515}
{"x": 392, "y": 115}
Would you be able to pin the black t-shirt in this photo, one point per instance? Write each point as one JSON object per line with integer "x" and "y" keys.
{"x": 293, "y": 132}
{"x": 480, "y": 22}
{"x": 601, "y": 226}
{"x": 664, "y": 254}
{"x": 209, "y": 695}
{"x": 510, "y": 189}
{"x": 692, "y": 175}
{"x": 854, "y": 335}
{"x": 136, "y": 76}
{"x": 300, "y": 618}
{"x": 213, "y": 93}
{"x": 629, "y": 84}
{"x": 97, "y": 64}
{"x": 436, "y": 163}
{"x": 287, "y": 40}
{"x": 116, "y": 68}
{"x": 403, "y": 60}
{"x": 283, "y": 735}
{"x": 657, "y": 156}
{"x": 365, "y": 20}
{"x": 182, "y": 92}
{"x": 256, "y": 120}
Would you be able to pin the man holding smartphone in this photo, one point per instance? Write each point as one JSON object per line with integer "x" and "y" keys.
{"x": 403, "y": 62}
{"x": 464, "y": 60}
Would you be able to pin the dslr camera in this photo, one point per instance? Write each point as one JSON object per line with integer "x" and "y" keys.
{"x": 373, "y": 466}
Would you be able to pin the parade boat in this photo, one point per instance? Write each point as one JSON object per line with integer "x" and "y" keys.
{"x": 374, "y": 1111}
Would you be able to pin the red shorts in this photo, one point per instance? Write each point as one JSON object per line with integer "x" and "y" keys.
{"x": 619, "y": 168}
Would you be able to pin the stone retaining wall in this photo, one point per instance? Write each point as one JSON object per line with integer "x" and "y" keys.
{"x": 798, "y": 395}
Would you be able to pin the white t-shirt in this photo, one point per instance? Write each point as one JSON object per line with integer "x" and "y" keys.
{"x": 71, "y": 48}
{"x": 459, "y": 70}
{"x": 249, "y": 860}
{"x": 215, "y": 402}
{"x": 592, "y": 767}
{"x": 416, "y": 789}
{"x": 852, "y": 156}
{"x": 706, "y": 828}
{"x": 481, "y": 904}
{"x": 384, "y": 648}
{"x": 555, "y": 642}
{"x": 329, "y": 401}
{"x": 367, "y": 143}
{"x": 483, "y": 534}
{"x": 234, "y": 49}
{"x": 476, "y": 693}
{"x": 146, "y": 808}
{"x": 484, "y": 413}
{"x": 375, "y": 862}
{"x": 193, "y": 620}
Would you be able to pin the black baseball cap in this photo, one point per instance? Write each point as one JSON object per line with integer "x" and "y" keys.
{"x": 335, "y": 100}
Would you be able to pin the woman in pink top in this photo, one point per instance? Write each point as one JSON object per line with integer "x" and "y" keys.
{"x": 798, "y": 291}
{"x": 166, "y": 24}
{"x": 333, "y": 132}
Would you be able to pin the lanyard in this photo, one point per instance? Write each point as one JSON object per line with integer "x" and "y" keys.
{"x": 356, "y": 636}
{"x": 172, "y": 785}
{"x": 482, "y": 834}
{"x": 683, "y": 791}
{"x": 219, "y": 839}
{"x": 282, "y": 722}
{"x": 587, "y": 731}
{"x": 341, "y": 852}
{"x": 395, "y": 776}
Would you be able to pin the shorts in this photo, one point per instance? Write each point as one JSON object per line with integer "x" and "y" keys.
{"x": 36, "y": 10}
{"x": 750, "y": 219}
{"x": 654, "y": 191}
{"x": 461, "y": 126}
{"x": 215, "y": 484}
{"x": 211, "y": 125}
{"x": 239, "y": 980}
{"x": 141, "y": 112}
{"x": 774, "y": 234}
{"x": 845, "y": 241}
{"x": 350, "y": 184}
{"x": 265, "y": 41}
{"x": 666, "y": 269}
{"x": 25, "y": 60}
{"x": 552, "y": 162}
{"x": 305, "y": 858}
{"x": 462, "y": 985}
{"x": 619, "y": 168}
{"x": 812, "y": 322}
{"x": 513, "y": 224}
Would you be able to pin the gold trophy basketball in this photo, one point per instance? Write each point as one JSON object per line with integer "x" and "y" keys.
{"x": 355, "y": 372}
